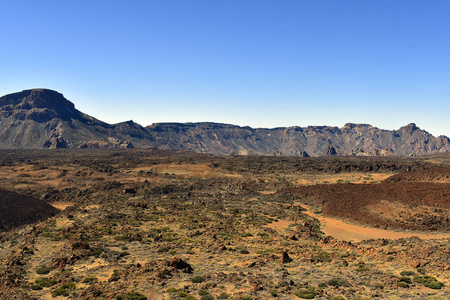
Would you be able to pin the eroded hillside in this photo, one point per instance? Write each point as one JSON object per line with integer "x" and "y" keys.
{"x": 42, "y": 118}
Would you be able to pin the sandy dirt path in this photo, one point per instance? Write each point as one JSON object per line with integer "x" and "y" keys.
{"x": 348, "y": 232}
{"x": 61, "y": 205}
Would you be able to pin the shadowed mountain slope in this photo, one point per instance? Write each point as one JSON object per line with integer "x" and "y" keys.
{"x": 41, "y": 118}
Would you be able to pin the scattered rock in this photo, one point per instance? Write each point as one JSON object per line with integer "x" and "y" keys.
{"x": 180, "y": 264}
{"x": 285, "y": 257}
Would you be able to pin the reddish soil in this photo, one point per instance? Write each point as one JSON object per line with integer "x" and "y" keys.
{"x": 409, "y": 205}
{"x": 340, "y": 230}
{"x": 440, "y": 175}
{"x": 62, "y": 205}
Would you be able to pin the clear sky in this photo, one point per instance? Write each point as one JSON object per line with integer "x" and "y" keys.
{"x": 257, "y": 63}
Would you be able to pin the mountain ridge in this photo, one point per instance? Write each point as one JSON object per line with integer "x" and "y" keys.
{"x": 43, "y": 118}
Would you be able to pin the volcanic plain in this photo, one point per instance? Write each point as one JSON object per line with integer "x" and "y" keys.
{"x": 160, "y": 224}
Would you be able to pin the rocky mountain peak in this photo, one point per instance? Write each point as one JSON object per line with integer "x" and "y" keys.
{"x": 40, "y": 105}
{"x": 349, "y": 126}
{"x": 37, "y": 98}
{"x": 409, "y": 129}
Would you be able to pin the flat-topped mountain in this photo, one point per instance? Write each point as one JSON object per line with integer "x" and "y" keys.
{"x": 42, "y": 118}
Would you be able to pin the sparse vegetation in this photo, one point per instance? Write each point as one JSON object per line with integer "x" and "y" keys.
{"x": 306, "y": 294}
{"x": 44, "y": 282}
{"x": 42, "y": 270}
{"x": 90, "y": 280}
{"x": 429, "y": 281}
{"x": 197, "y": 279}
{"x": 228, "y": 231}
{"x": 338, "y": 282}
{"x": 131, "y": 296}
{"x": 64, "y": 289}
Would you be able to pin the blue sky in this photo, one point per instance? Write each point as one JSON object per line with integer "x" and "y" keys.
{"x": 256, "y": 63}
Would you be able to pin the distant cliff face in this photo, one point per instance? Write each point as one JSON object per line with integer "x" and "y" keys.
{"x": 43, "y": 118}
{"x": 352, "y": 139}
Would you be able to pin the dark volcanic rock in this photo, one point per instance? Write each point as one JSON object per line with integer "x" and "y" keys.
{"x": 285, "y": 258}
{"x": 17, "y": 210}
{"x": 180, "y": 264}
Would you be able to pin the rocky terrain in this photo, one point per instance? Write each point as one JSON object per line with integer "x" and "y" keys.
{"x": 398, "y": 205}
{"x": 40, "y": 118}
{"x": 160, "y": 224}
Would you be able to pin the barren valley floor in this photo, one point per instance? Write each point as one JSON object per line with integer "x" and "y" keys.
{"x": 155, "y": 224}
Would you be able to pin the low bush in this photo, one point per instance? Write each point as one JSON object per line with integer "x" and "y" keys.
{"x": 60, "y": 292}
{"x": 182, "y": 294}
{"x": 338, "y": 281}
{"x": 429, "y": 282}
{"x": 408, "y": 273}
{"x": 305, "y": 294}
{"x": 436, "y": 285}
{"x": 63, "y": 290}
{"x": 362, "y": 268}
{"x": 223, "y": 295}
{"x": 197, "y": 279}
{"x": 90, "y": 280}
{"x": 131, "y": 296}
{"x": 421, "y": 271}
{"x": 163, "y": 249}
{"x": 96, "y": 251}
{"x": 43, "y": 270}
{"x": 405, "y": 279}
{"x": 45, "y": 282}
{"x": 114, "y": 276}
{"x": 36, "y": 287}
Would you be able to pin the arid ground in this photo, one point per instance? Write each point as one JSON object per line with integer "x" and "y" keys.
{"x": 155, "y": 224}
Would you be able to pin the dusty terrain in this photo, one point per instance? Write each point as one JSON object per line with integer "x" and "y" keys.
{"x": 168, "y": 225}
{"x": 393, "y": 205}
{"x": 343, "y": 230}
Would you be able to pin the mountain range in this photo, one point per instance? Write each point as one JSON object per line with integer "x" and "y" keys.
{"x": 42, "y": 118}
